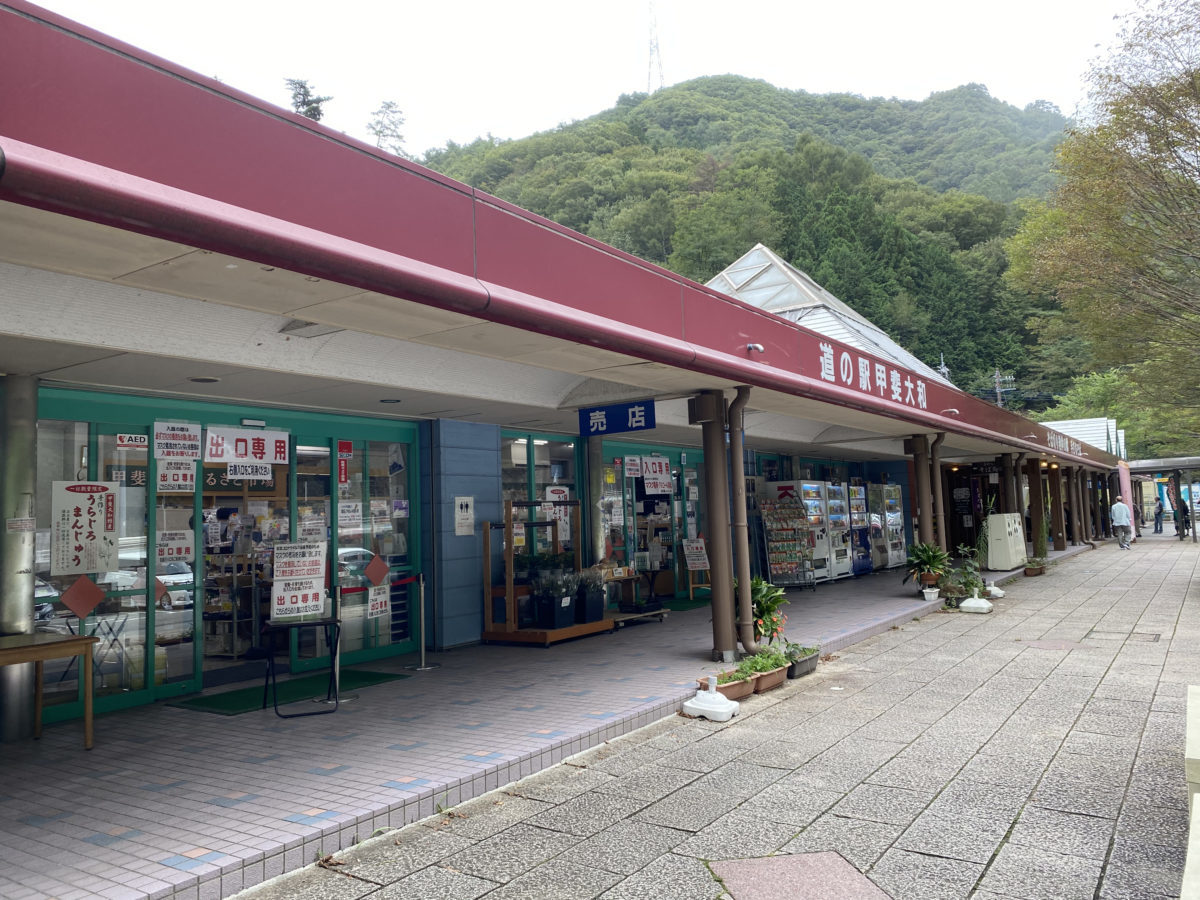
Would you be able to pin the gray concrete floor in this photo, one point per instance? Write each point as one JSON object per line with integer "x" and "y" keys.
{"x": 1036, "y": 752}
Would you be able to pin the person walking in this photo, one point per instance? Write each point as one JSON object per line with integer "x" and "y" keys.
{"x": 1121, "y": 522}
{"x": 1158, "y": 516}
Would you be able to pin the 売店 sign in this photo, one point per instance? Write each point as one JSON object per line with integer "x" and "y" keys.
{"x": 617, "y": 418}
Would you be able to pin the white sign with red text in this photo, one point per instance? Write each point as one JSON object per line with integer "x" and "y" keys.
{"x": 656, "y": 475}
{"x": 245, "y": 445}
{"x": 379, "y": 601}
{"x": 176, "y": 476}
{"x": 83, "y": 527}
{"x": 299, "y": 586}
{"x": 176, "y": 440}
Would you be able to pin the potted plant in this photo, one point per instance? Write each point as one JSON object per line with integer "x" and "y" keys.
{"x": 801, "y": 660}
{"x": 769, "y": 619}
{"x": 554, "y": 600}
{"x": 734, "y": 683}
{"x": 770, "y": 665}
{"x": 589, "y": 606}
{"x": 926, "y": 564}
{"x": 1035, "y": 565}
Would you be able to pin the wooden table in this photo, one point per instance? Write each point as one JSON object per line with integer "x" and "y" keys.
{"x": 40, "y": 646}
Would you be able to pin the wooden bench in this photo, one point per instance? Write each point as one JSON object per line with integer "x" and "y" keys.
{"x": 41, "y": 646}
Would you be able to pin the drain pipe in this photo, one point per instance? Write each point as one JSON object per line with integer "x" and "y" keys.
{"x": 939, "y": 490}
{"x": 741, "y": 532}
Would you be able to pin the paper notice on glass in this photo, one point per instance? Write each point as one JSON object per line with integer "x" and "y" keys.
{"x": 379, "y": 601}
{"x": 176, "y": 476}
{"x": 83, "y": 527}
{"x": 696, "y": 555}
{"x": 299, "y": 586}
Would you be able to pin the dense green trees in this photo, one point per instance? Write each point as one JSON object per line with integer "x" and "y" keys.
{"x": 1117, "y": 242}
{"x": 873, "y": 198}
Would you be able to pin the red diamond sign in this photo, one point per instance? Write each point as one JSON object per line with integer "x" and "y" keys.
{"x": 376, "y": 570}
{"x": 83, "y": 596}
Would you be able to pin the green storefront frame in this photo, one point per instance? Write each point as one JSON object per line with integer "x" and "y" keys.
{"x": 106, "y": 415}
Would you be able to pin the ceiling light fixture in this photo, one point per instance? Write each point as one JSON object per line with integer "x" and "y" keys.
{"x": 204, "y": 379}
{"x": 758, "y": 348}
{"x": 949, "y": 412}
{"x": 390, "y": 400}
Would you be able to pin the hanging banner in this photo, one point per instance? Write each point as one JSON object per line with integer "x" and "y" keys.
{"x": 656, "y": 475}
{"x": 176, "y": 476}
{"x": 223, "y": 445}
{"x": 299, "y": 586}
{"x": 176, "y": 440}
{"x": 83, "y": 527}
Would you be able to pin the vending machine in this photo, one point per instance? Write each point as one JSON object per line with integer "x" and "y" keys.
{"x": 838, "y": 509}
{"x": 885, "y": 511}
{"x": 812, "y": 495}
{"x": 860, "y": 532}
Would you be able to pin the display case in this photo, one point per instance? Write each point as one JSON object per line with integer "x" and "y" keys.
{"x": 785, "y": 539}
{"x": 812, "y": 495}
{"x": 885, "y": 509}
{"x": 838, "y": 510}
{"x": 860, "y": 535}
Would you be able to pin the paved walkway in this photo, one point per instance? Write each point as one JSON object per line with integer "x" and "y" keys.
{"x": 177, "y": 803}
{"x": 1032, "y": 753}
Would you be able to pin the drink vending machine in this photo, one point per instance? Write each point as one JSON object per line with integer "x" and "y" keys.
{"x": 812, "y": 495}
{"x": 860, "y": 533}
{"x": 838, "y": 510}
{"x": 886, "y": 514}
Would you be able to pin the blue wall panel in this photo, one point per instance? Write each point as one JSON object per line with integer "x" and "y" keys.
{"x": 459, "y": 459}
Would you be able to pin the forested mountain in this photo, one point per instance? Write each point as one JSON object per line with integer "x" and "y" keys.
{"x": 899, "y": 208}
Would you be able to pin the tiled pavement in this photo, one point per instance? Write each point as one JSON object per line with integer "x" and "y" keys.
{"x": 1028, "y": 751}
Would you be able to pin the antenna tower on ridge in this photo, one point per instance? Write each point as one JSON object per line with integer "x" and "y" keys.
{"x": 655, "y": 56}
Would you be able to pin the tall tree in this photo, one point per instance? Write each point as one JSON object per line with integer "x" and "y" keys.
{"x": 385, "y": 126}
{"x": 1118, "y": 242}
{"x": 304, "y": 100}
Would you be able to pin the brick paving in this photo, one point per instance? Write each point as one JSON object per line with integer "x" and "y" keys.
{"x": 1012, "y": 755}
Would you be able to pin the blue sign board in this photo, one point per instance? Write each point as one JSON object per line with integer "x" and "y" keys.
{"x": 617, "y": 418}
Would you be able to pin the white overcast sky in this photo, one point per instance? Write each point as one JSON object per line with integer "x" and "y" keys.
{"x": 470, "y": 68}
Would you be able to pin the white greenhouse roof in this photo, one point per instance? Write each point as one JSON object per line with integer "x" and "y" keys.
{"x": 763, "y": 279}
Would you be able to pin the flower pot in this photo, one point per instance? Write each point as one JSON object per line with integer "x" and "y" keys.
{"x": 555, "y": 612}
{"x": 769, "y": 680}
{"x": 589, "y": 605}
{"x": 931, "y": 593}
{"x": 733, "y": 690}
{"x": 802, "y": 666}
{"x": 929, "y": 579}
{"x": 1034, "y": 570}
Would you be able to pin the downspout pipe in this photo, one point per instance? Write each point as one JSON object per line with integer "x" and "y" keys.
{"x": 939, "y": 498}
{"x": 741, "y": 531}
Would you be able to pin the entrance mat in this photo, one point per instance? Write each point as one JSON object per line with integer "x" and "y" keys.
{"x": 683, "y": 604}
{"x": 243, "y": 700}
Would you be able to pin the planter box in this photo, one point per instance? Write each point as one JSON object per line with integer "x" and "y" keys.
{"x": 769, "y": 680}
{"x": 589, "y": 606}
{"x": 805, "y": 665}
{"x": 555, "y": 612}
{"x": 733, "y": 690}
{"x": 1035, "y": 570}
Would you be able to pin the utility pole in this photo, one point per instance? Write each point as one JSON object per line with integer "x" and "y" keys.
{"x": 1003, "y": 383}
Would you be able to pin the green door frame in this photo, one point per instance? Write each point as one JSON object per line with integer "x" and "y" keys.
{"x": 112, "y": 413}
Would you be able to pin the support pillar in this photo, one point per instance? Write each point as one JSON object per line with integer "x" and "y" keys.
{"x": 1058, "y": 529}
{"x": 1037, "y": 501}
{"x": 595, "y": 494}
{"x": 1010, "y": 496}
{"x": 708, "y": 410}
{"x": 920, "y": 452}
{"x": 938, "y": 489}
{"x": 18, "y": 479}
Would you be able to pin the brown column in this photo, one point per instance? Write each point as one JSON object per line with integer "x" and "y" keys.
{"x": 1037, "y": 500}
{"x": 709, "y": 411}
{"x": 1097, "y": 498}
{"x": 938, "y": 489}
{"x": 920, "y": 453}
{"x": 1077, "y": 511}
{"x": 1058, "y": 530}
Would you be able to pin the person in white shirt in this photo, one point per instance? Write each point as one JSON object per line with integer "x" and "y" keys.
{"x": 1121, "y": 523}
